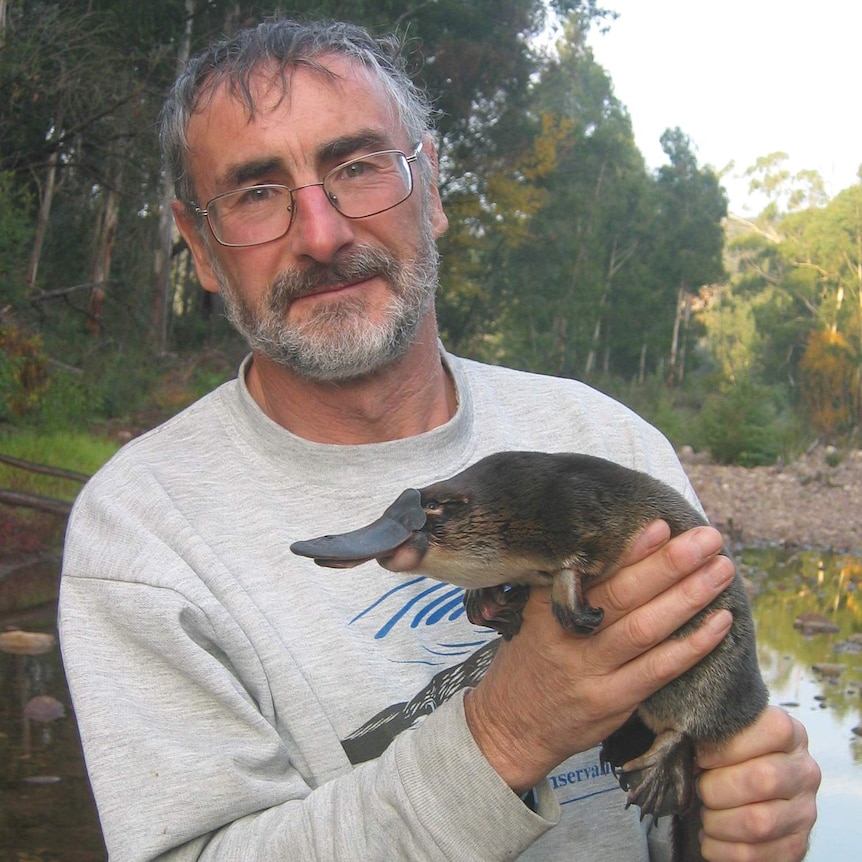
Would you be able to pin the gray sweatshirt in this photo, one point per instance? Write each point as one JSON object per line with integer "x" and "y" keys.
{"x": 237, "y": 702}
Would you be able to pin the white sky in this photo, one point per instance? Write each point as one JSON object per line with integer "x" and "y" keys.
{"x": 743, "y": 79}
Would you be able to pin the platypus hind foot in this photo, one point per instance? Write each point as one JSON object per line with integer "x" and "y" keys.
{"x": 500, "y": 608}
{"x": 661, "y": 781}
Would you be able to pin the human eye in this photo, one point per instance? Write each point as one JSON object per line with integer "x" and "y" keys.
{"x": 363, "y": 169}
{"x": 256, "y": 196}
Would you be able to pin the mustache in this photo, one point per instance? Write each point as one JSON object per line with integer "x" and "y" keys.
{"x": 354, "y": 266}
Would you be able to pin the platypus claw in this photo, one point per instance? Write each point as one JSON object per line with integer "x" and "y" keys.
{"x": 661, "y": 781}
{"x": 499, "y": 608}
{"x": 583, "y": 620}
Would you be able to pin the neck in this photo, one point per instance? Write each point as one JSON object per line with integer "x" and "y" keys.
{"x": 409, "y": 397}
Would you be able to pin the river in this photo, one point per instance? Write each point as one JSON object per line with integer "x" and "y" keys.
{"x": 47, "y": 813}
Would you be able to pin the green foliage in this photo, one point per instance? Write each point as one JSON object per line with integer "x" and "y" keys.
{"x": 673, "y": 410}
{"x": 16, "y": 231}
{"x": 740, "y": 425}
{"x": 564, "y": 253}
{"x": 23, "y": 374}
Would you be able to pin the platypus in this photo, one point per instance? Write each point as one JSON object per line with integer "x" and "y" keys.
{"x": 515, "y": 519}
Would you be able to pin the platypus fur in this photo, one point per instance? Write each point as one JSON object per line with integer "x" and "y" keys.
{"x": 515, "y": 519}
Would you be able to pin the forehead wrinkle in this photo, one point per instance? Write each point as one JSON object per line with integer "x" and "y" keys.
{"x": 269, "y": 90}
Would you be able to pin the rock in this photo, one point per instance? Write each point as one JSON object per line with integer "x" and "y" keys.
{"x": 26, "y": 643}
{"x": 44, "y": 708}
{"x": 858, "y": 730}
{"x": 830, "y": 671}
{"x": 687, "y": 455}
{"x": 811, "y": 623}
{"x": 849, "y": 646}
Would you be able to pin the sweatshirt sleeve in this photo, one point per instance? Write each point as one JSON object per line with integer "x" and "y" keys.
{"x": 185, "y": 758}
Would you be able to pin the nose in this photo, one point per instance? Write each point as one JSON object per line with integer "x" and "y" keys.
{"x": 318, "y": 231}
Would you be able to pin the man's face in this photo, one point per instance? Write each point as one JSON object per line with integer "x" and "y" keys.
{"x": 335, "y": 298}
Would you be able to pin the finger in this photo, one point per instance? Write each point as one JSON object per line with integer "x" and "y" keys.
{"x": 785, "y": 772}
{"x": 639, "y": 582}
{"x": 654, "y": 668}
{"x": 788, "y": 848}
{"x": 655, "y": 622}
{"x": 774, "y": 731}
{"x": 762, "y": 828}
{"x": 650, "y": 539}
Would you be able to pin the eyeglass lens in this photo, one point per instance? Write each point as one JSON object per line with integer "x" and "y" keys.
{"x": 359, "y": 188}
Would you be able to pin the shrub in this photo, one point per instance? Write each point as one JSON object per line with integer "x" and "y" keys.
{"x": 23, "y": 373}
{"x": 830, "y": 382}
{"x": 740, "y": 425}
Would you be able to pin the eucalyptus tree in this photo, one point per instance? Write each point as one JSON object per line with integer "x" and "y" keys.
{"x": 82, "y": 82}
{"x": 688, "y": 241}
{"x": 571, "y": 231}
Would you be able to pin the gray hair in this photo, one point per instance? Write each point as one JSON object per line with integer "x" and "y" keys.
{"x": 287, "y": 44}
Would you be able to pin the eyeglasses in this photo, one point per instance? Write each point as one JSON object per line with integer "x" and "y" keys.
{"x": 362, "y": 187}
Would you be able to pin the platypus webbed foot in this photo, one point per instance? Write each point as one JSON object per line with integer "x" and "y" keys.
{"x": 661, "y": 781}
{"x": 500, "y": 608}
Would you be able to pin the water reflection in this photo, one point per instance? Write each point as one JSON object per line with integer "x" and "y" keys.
{"x": 46, "y": 810}
{"x": 829, "y": 703}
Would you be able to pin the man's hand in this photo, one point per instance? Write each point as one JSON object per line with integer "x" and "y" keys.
{"x": 759, "y": 793}
{"x": 550, "y": 693}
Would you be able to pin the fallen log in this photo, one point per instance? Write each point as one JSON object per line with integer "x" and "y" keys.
{"x": 45, "y": 469}
{"x": 35, "y": 501}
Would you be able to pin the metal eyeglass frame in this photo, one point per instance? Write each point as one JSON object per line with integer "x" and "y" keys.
{"x": 204, "y": 211}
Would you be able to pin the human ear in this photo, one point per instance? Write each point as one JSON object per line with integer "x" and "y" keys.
{"x": 201, "y": 252}
{"x": 439, "y": 221}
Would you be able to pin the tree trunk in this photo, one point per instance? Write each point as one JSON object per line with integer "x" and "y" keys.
{"x": 616, "y": 263}
{"x": 683, "y": 349}
{"x": 44, "y": 213}
{"x": 162, "y": 258}
{"x": 100, "y": 272}
{"x": 674, "y": 343}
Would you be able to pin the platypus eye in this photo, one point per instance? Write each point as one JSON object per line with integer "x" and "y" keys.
{"x": 439, "y": 507}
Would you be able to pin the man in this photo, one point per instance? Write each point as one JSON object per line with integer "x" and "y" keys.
{"x": 237, "y": 703}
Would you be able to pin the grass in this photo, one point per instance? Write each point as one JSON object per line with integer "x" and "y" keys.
{"x": 70, "y": 450}
{"x": 27, "y": 531}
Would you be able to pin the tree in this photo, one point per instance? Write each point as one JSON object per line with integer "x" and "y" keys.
{"x": 564, "y": 233}
{"x": 689, "y": 239}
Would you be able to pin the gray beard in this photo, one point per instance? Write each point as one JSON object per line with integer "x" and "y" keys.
{"x": 340, "y": 343}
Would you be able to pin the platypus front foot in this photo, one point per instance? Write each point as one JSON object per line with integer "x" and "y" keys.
{"x": 661, "y": 781}
{"x": 499, "y": 608}
{"x": 584, "y": 620}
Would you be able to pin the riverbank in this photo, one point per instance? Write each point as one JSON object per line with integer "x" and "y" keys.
{"x": 814, "y": 502}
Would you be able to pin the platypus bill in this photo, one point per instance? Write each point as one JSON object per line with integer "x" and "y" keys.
{"x": 516, "y": 519}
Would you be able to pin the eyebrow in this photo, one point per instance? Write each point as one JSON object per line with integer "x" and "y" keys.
{"x": 334, "y": 151}
{"x": 346, "y": 146}
{"x": 243, "y": 173}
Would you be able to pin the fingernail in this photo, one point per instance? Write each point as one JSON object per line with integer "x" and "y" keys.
{"x": 653, "y": 535}
{"x": 719, "y": 572}
{"x": 708, "y": 540}
{"x": 719, "y": 621}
